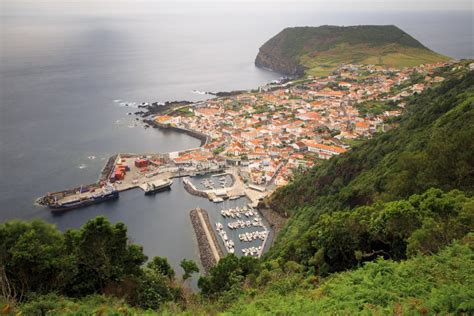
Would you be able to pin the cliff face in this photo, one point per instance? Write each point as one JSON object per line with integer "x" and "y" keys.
{"x": 296, "y": 50}
{"x": 269, "y": 60}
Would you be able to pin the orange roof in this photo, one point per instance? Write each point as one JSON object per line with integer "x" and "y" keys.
{"x": 163, "y": 118}
{"x": 313, "y": 144}
{"x": 311, "y": 115}
{"x": 207, "y": 111}
{"x": 362, "y": 124}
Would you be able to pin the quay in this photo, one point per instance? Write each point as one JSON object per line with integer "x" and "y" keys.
{"x": 131, "y": 171}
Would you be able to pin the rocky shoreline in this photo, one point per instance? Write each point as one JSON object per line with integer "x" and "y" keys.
{"x": 205, "y": 253}
{"x": 158, "y": 107}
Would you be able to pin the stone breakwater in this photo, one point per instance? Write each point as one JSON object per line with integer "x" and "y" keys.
{"x": 202, "y": 137}
{"x": 192, "y": 190}
{"x": 108, "y": 168}
{"x": 209, "y": 250}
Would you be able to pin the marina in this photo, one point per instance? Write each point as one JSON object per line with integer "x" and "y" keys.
{"x": 240, "y": 233}
{"x": 233, "y": 222}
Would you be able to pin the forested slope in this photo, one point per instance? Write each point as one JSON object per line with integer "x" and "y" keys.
{"x": 432, "y": 147}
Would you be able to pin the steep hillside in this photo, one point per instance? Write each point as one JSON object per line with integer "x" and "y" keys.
{"x": 319, "y": 50}
{"x": 432, "y": 147}
{"x": 424, "y": 285}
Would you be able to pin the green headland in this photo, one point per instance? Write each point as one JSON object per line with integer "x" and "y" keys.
{"x": 319, "y": 50}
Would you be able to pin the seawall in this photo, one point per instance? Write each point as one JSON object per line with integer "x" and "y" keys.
{"x": 202, "y": 137}
{"x": 209, "y": 250}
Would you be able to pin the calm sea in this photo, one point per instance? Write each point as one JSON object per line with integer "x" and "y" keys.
{"x": 67, "y": 66}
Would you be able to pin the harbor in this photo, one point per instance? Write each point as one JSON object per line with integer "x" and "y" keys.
{"x": 242, "y": 231}
{"x": 153, "y": 173}
{"x": 206, "y": 177}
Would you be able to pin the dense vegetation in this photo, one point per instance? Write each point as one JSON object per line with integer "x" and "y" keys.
{"x": 432, "y": 147}
{"x": 319, "y": 50}
{"x": 386, "y": 228}
{"x": 424, "y": 285}
{"x": 37, "y": 262}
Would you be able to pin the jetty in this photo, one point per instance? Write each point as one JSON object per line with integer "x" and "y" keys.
{"x": 209, "y": 250}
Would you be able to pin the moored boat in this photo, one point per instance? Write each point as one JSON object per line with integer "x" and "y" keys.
{"x": 158, "y": 186}
{"x": 105, "y": 194}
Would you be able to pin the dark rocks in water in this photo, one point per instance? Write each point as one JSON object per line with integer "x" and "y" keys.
{"x": 158, "y": 107}
{"x": 227, "y": 93}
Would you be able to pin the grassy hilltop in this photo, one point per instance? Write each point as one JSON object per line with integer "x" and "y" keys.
{"x": 319, "y": 50}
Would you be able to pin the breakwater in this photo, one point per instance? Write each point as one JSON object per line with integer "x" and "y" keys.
{"x": 209, "y": 250}
{"x": 192, "y": 190}
{"x": 108, "y": 168}
{"x": 202, "y": 137}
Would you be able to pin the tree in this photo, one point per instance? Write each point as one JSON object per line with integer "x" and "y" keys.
{"x": 32, "y": 259}
{"x": 189, "y": 268}
{"x": 103, "y": 255}
{"x": 153, "y": 290}
{"x": 161, "y": 265}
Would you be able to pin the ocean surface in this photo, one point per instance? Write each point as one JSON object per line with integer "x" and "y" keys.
{"x": 68, "y": 67}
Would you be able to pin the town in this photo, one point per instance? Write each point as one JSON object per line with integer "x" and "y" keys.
{"x": 280, "y": 129}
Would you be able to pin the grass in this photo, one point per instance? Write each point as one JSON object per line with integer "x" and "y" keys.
{"x": 441, "y": 284}
{"x": 375, "y": 107}
{"x": 392, "y": 55}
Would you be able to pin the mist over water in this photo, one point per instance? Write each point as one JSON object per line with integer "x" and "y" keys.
{"x": 63, "y": 63}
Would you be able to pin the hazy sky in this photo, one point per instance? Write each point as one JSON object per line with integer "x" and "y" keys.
{"x": 384, "y": 5}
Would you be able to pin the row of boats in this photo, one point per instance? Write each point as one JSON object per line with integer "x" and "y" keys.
{"x": 238, "y": 212}
{"x": 210, "y": 185}
{"x": 228, "y": 243}
{"x": 256, "y": 222}
{"x": 252, "y": 251}
{"x": 247, "y": 218}
{"x": 253, "y": 236}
